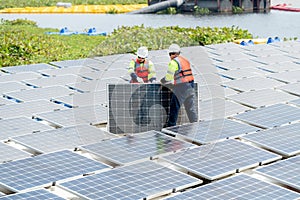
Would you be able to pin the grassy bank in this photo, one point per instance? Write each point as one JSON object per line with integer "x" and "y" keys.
{"x": 39, "y": 3}
{"x": 22, "y": 42}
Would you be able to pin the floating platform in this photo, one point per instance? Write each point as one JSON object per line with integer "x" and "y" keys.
{"x": 77, "y": 9}
{"x": 285, "y": 7}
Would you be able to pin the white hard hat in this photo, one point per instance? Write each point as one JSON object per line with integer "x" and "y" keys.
{"x": 174, "y": 48}
{"x": 142, "y": 52}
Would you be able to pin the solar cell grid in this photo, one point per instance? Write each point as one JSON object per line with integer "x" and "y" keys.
{"x": 33, "y": 195}
{"x": 280, "y": 67}
{"x": 287, "y": 77}
{"x": 273, "y": 59}
{"x": 138, "y": 181}
{"x": 9, "y": 153}
{"x": 136, "y": 147}
{"x": 207, "y": 92}
{"x": 285, "y": 171}
{"x": 94, "y": 85}
{"x": 5, "y": 102}
{"x": 88, "y": 62}
{"x": 238, "y": 187}
{"x": 242, "y": 73}
{"x": 284, "y": 140}
{"x": 239, "y": 64}
{"x": 12, "y": 86}
{"x": 233, "y": 56}
{"x": 293, "y": 88}
{"x": 45, "y": 93}
{"x": 95, "y": 114}
{"x": 44, "y": 169}
{"x": 27, "y": 109}
{"x": 209, "y": 131}
{"x": 27, "y": 68}
{"x": 19, "y": 76}
{"x": 296, "y": 102}
{"x": 213, "y": 161}
{"x": 116, "y": 58}
{"x": 62, "y": 138}
{"x": 271, "y": 116}
{"x": 261, "y": 98}
{"x": 20, "y": 126}
{"x": 76, "y": 70}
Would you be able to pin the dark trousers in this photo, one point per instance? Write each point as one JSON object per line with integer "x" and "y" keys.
{"x": 183, "y": 93}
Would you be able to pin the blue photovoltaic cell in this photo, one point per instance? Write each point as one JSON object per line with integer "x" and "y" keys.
{"x": 27, "y": 68}
{"x": 285, "y": 171}
{"x": 136, "y": 147}
{"x": 284, "y": 140}
{"x": 41, "y": 194}
{"x": 213, "y": 161}
{"x": 238, "y": 187}
{"x": 271, "y": 116}
{"x": 95, "y": 114}
{"x": 208, "y": 131}
{"x": 296, "y": 102}
{"x": 45, "y": 169}
{"x": 9, "y": 153}
{"x": 137, "y": 181}
{"x": 63, "y": 138}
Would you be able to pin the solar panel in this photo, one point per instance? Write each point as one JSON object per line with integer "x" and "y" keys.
{"x": 19, "y": 76}
{"x": 241, "y": 186}
{"x": 271, "y": 116}
{"x": 213, "y": 161}
{"x": 232, "y": 56}
{"x": 45, "y": 93}
{"x": 136, "y": 147}
{"x": 27, "y": 109}
{"x": 35, "y": 194}
{"x": 274, "y": 59}
{"x": 285, "y": 171}
{"x": 209, "y": 131}
{"x": 20, "y": 126}
{"x": 62, "y": 138}
{"x": 5, "y": 102}
{"x": 87, "y": 62}
{"x": 95, "y": 114}
{"x": 83, "y": 99}
{"x": 94, "y": 85}
{"x": 116, "y": 58}
{"x": 12, "y": 86}
{"x": 284, "y": 140}
{"x": 242, "y": 73}
{"x": 261, "y": 98}
{"x": 207, "y": 92}
{"x": 252, "y": 83}
{"x": 208, "y": 79}
{"x": 9, "y": 153}
{"x": 293, "y": 88}
{"x": 219, "y": 108}
{"x": 27, "y": 68}
{"x": 45, "y": 169}
{"x": 267, "y": 52}
{"x": 138, "y": 181}
{"x": 135, "y": 108}
{"x": 239, "y": 64}
{"x": 76, "y": 70}
{"x": 287, "y": 77}
{"x": 281, "y": 67}
{"x": 55, "y": 80}
{"x": 296, "y": 102}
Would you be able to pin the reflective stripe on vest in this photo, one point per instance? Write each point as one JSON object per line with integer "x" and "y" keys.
{"x": 142, "y": 71}
{"x": 184, "y": 73}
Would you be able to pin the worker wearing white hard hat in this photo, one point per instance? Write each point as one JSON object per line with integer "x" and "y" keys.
{"x": 181, "y": 76}
{"x": 142, "y": 69}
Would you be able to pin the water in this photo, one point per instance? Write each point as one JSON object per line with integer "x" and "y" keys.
{"x": 275, "y": 23}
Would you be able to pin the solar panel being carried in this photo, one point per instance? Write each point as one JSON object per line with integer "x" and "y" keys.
{"x": 238, "y": 187}
{"x": 285, "y": 172}
{"x": 138, "y": 181}
{"x": 45, "y": 169}
{"x": 284, "y": 140}
{"x": 213, "y": 161}
{"x": 136, "y": 147}
{"x": 203, "y": 132}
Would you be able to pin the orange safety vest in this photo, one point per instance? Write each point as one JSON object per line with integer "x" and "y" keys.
{"x": 142, "y": 71}
{"x": 184, "y": 73}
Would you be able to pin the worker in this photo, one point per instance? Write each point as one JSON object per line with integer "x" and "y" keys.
{"x": 141, "y": 69}
{"x": 181, "y": 77}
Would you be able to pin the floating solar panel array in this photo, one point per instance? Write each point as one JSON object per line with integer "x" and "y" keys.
{"x": 245, "y": 146}
{"x": 210, "y": 131}
{"x": 135, "y": 147}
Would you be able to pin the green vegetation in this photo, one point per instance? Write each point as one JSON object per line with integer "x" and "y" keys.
{"x": 39, "y": 3}
{"x": 201, "y": 11}
{"x": 22, "y": 42}
{"x": 237, "y": 10}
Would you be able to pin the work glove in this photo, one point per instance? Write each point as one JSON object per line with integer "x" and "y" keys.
{"x": 140, "y": 80}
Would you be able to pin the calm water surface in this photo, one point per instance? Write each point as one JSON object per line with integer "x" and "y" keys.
{"x": 275, "y": 23}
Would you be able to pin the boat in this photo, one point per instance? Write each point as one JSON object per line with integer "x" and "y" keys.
{"x": 285, "y": 7}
